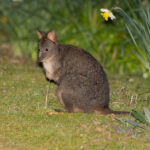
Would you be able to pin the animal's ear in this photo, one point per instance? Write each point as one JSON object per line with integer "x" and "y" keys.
{"x": 40, "y": 34}
{"x": 52, "y": 36}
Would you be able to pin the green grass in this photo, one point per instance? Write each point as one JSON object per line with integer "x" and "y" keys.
{"x": 25, "y": 123}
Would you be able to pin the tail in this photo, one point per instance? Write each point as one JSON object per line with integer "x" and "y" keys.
{"x": 118, "y": 112}
{"x": 107, "y": 111}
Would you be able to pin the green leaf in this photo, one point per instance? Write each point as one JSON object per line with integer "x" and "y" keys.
{"x": 147, "y": 114}
{"x": 120, "y": 121}
{"x": 139, "y": 116}
{"x": 133, "y": 123}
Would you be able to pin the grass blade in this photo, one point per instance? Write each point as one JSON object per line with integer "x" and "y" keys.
{"x": 147, "y": 114}
{"x": 135, "y": 124}
{"x": 139, "y": 116}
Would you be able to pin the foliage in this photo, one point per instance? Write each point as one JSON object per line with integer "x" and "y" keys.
{"x": 25, "y": 17}
{"x": 76, "y": 22}
{"x": 138, "y": 27}
{"x": 140, "y": 120}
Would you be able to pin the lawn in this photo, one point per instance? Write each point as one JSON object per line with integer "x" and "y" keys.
{"x": 28, "y": 122}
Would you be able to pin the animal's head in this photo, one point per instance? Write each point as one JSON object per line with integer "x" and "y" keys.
{"x": 47, "y": 46}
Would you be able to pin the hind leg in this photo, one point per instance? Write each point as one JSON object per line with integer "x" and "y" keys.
{"x": 64, "y": 101}
{"x": 68, "y": 99}
{"x": 72, "y": 103}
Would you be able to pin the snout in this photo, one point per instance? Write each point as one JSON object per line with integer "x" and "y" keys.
{"x": 42, "y": 57}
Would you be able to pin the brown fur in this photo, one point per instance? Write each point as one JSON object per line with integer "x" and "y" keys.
{"x": 82, "y": 82}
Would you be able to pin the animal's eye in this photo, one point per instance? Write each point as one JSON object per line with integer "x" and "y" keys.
{"x": 46, "y": 49}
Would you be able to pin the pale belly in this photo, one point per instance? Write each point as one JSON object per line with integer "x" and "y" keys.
{"x": 51, "y": 71}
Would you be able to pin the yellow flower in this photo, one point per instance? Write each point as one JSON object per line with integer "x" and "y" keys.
{"x": 106, "y": 14}
{"x": 3, "y": 19}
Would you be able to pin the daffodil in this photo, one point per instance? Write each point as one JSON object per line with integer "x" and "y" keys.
{"x": 106, "y": 14}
